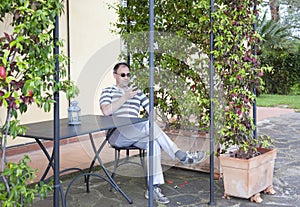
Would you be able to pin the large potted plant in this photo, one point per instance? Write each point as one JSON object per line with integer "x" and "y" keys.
{"x": 27, "y": 75}
{"x": 246, "y": 160}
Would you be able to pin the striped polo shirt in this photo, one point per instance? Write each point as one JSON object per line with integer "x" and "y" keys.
{"x": 131, "y": 108}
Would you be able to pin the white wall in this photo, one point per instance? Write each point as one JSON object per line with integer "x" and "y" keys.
{"x": 94, "y": 50}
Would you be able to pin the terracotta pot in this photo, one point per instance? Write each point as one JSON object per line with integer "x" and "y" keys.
{"x": 246, "y": 178}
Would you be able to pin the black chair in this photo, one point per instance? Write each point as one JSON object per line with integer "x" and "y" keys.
{"x": 118, "y": 162}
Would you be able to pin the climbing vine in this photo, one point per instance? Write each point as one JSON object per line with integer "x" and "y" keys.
{"x": 182, "y": 50}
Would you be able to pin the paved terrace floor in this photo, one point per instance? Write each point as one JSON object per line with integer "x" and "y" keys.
{"x": 183, "y": 187}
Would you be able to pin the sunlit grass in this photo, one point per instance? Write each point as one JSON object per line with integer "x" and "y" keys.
{"x": 285, "y": 101}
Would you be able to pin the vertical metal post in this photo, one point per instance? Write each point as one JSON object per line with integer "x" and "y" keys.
{"x": 254, "y": 90}
{"x": 125, "y": 3}
{"x": 151, "y": 120}
{"x": 128, "y": 46}
{"x": 68, "y": 42}
{"x": 211, "y": 83}
{"x": 56, "y": 119}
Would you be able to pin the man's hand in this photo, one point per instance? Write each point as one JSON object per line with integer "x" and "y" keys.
{"x": 130, "y": 93}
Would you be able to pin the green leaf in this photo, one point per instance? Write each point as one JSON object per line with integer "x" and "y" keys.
{"x": 47, "y": 107}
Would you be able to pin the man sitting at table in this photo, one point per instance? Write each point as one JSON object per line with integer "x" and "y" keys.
{"x": 122, "y": 100}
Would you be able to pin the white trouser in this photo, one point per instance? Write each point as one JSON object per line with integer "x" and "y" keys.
{"x": 138, "y": 135}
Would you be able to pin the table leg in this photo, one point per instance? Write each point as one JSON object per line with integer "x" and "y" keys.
{"x": 108, "y": 134}
{"x": 112, "y": 182}
{"x": 50, "y": 164}
{"x": 50, "y": 159}
{"x": 93, "y": 162}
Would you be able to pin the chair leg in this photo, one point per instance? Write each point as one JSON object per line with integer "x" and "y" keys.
{"x": 142, "y": 158}
{"x": 116, "y": 163}
{"x": 127, "y": 155}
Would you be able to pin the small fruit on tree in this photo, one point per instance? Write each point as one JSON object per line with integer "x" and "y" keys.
{"x": 2, "y": 73}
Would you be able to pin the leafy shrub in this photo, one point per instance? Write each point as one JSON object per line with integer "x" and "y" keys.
{"x": 17, "y": 192}
{"x": 285, "y": 73}
{"x": 295, "y": 89}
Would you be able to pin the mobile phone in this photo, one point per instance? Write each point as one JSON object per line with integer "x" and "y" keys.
{"x": 134, "y": 87}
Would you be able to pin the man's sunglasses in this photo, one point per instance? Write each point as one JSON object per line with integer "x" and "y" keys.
{"x": 124, "y": 74}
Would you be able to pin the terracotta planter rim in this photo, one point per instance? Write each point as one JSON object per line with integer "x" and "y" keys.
{"x": 267, "y": 150}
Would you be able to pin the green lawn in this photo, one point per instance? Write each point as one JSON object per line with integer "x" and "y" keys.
{"x": 279, "y": 101}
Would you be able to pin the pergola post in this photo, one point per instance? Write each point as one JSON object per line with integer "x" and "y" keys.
{"x": 151, "y": 86}
{"x": 211, "y": 83}
{"x": 56, "y": 119}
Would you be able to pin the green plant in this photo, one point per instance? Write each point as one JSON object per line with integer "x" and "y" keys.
{"x": 295, "y": 89}
{"x": 182, "y": 34}
{"x": 19, "y": 194}
{"x": 274, "y": 34}
{"x": 27, "y": 67}
{"x": 285, "y": 73}
{"x": 279, "y": 48}
{"x": 240, "y": 73}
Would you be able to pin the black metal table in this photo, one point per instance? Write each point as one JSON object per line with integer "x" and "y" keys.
{"x": 41, "y": 131}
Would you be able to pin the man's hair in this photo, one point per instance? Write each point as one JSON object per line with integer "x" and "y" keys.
{"x": 116, "y": 67}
